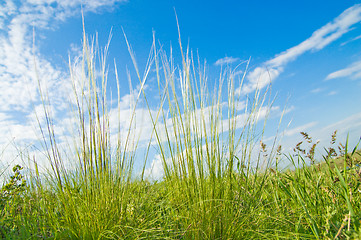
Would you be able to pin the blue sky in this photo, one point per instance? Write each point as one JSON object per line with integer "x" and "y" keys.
{"x": 311, "y": 50}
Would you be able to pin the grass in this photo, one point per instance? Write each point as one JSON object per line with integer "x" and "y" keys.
{"x": 216, "y": 185}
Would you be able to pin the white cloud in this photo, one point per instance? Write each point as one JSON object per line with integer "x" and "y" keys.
{"x": 353, "y": 71}
{"x": 259, "y": 78}
{"x": 226, "y": 60}
{"x": 332, "y": 93}
{"x": 352, "y": 40}
{"x": 41, "y": 12}
{"x": 240, "y": 105}
{"x": 22, "y": 66}
{"x": 155, "y": 171}
{"x": 17, "y": 56}
{"x": 260, "y": 114}
{"x": 6, "y": 8}
{"x": 316, "y": 90}
{"x": 342, "y": 24}
{"x": 237, "y": 73}
{"x": 299, "y": 129}
{"x": 321, "y": 37}
{"x": 350, "y": 124}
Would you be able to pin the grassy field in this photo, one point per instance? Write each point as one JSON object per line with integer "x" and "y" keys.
{"x": 215, "y": 185}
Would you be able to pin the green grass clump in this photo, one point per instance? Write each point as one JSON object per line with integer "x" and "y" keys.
{"x": 216, "y": 185}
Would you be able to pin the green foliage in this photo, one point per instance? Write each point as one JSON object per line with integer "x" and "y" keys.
{"x": 14, "y": 188}
{"x": 215, "y": 185}
{"x": 11, "y": 202}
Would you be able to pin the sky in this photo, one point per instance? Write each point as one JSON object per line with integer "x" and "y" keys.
{"x": 309, "y": 51}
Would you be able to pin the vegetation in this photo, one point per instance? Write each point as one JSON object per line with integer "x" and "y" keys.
{"x": 216, "y": 184}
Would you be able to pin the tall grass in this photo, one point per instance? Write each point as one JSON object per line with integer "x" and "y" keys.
{"x": 220, "y": 180}
{"x": 205, "y": 150}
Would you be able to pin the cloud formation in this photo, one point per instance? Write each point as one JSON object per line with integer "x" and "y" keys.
{"x": 316, "y": 90}
{"x": 18, "y": 57}
{"x": 351, "y": 40}
{"x": 226, "y": 60}
{"x": 299, "y": 129}
{"x": 353, "y": 71}
{"x": 270, "y": 70}
{"x": 22, "y": 66}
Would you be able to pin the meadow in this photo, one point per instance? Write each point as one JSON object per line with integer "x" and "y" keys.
{"x": 217, "y": 184}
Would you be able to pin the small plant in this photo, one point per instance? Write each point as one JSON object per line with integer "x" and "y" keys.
{"x": 11, "y": 201}
{"x": 14, "y": 188}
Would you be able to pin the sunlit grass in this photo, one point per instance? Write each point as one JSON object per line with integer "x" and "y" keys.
{"x": 220, "y": 180}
